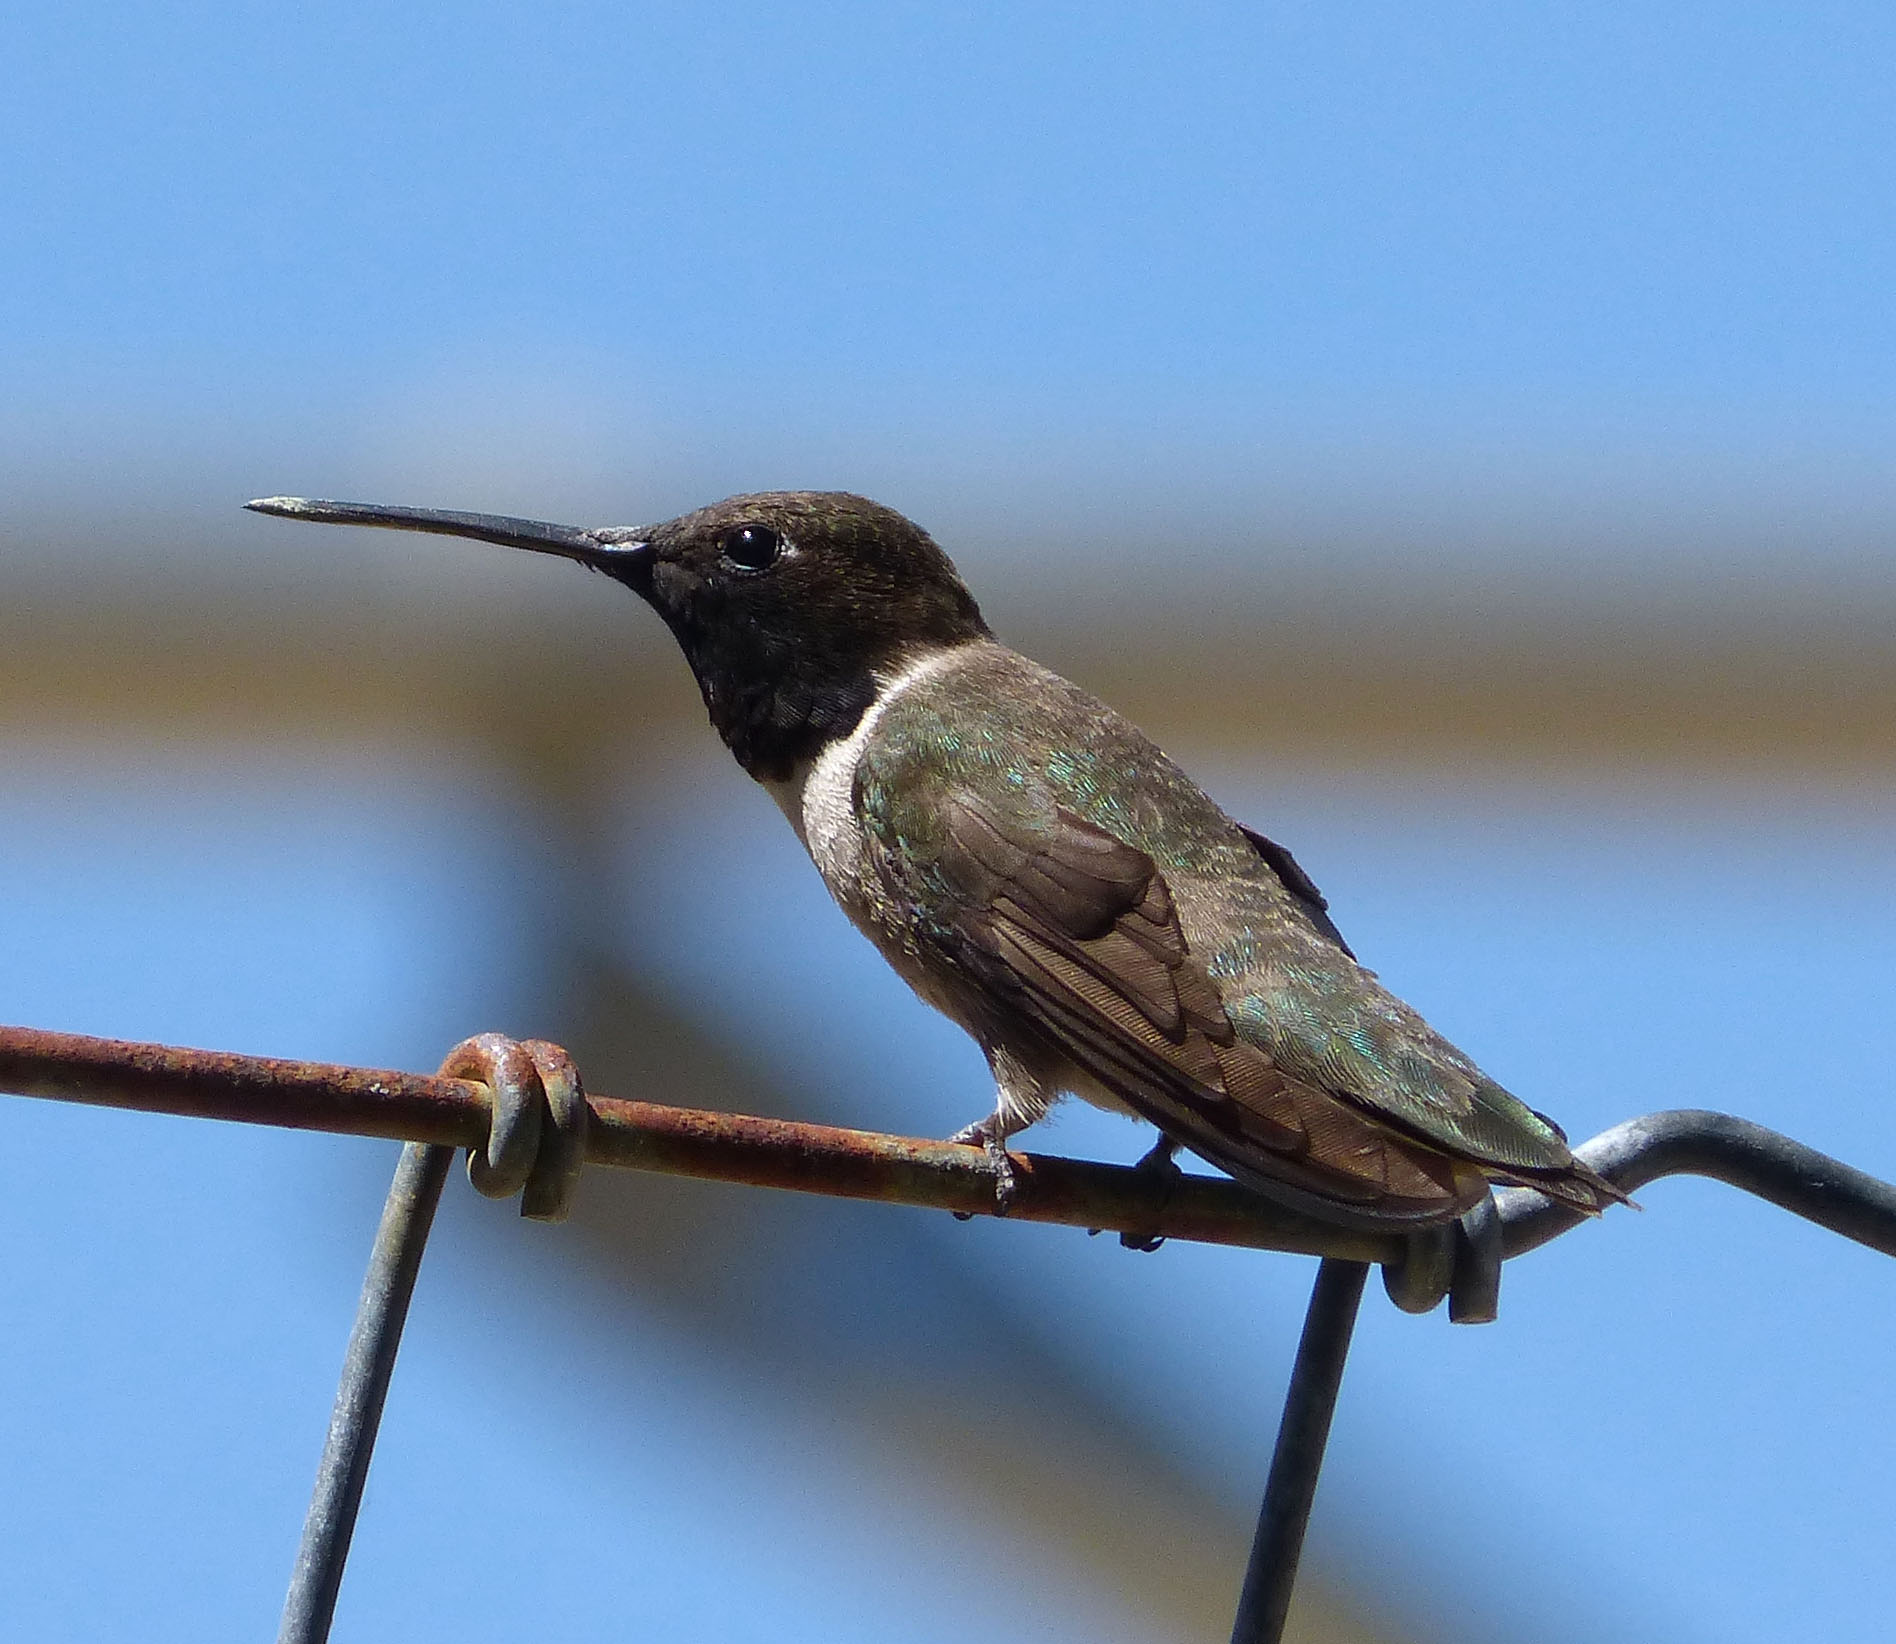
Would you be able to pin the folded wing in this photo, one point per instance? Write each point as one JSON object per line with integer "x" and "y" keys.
{"x": 1077, "y": 933}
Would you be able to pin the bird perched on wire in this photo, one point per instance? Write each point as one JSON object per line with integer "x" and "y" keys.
{"x": 1038, "y": 870}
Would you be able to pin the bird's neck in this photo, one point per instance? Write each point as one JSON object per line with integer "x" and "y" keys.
{"x": 779, "y": 722}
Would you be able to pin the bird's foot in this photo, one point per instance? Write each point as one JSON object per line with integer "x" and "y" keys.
{"x": 1159, "y": 1175}
{"x": 987, "y": 1135}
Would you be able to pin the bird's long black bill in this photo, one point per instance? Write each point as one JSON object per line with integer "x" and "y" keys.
{"x": 606, "y": 550}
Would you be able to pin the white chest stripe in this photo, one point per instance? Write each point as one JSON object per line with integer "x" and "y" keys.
{"x": 817, "y": 799}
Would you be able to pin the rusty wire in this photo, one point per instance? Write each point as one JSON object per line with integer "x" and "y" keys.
{"x": 676, "y": 1141}
{"x": 860, "y": 1164}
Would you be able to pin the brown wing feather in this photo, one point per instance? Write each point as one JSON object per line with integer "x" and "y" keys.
{"x": 1080, "y": 931}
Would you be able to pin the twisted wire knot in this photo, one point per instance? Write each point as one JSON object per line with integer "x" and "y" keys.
{"x": 536, "y": 1139}
{"x": 1460, "y": 1260}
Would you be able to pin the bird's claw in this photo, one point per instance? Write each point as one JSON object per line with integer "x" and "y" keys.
{"x": 1006, "y": 1177}
{"x": 984, "y": 1134}
{"x": 1160, "y": 1174}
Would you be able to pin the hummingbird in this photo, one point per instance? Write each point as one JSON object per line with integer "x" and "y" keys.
{"x": 1038, "y": 870}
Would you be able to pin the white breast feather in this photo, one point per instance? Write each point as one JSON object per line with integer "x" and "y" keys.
{"x": 819, "y": 796}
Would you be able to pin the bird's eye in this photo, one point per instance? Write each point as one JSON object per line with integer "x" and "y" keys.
{"x": 751, "y": 548}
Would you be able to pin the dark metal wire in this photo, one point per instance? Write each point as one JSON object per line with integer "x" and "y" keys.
{"x": 535, "y": 1146}
{"x": 1301, "y": 1436}
{"x": 1696, "y": 1142}
{"x": 366, "y": 1369}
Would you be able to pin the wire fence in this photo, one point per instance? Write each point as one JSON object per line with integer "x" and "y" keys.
{"x": 519, "y": 1110}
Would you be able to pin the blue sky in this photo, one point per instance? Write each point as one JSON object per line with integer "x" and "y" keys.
{"x": 1438, "y": 229}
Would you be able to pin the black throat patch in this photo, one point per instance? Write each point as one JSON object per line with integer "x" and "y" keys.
{"x": 776, "y": 702}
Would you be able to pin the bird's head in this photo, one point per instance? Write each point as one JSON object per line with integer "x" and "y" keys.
{"x": 790, "y": 606}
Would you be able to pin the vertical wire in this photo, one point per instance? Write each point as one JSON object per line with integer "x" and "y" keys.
{"x": 366, "y": 1368}
{"x": 1298, "y": 1459}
